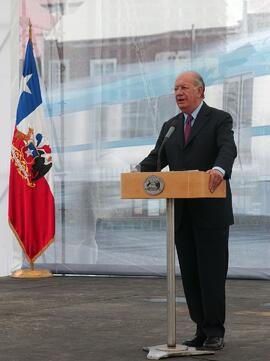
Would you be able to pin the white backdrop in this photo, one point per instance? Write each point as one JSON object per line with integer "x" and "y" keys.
{"x": 10, "y": 253}
{"x": 107, "y": 87}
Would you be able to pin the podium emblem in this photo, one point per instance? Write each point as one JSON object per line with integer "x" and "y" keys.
{"x": 153, "y": 185}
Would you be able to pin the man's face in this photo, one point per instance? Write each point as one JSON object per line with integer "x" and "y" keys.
{"x": 188, "y": 96}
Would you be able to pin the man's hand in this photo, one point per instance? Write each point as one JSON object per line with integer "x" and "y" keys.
{"x": 215, "y": 179}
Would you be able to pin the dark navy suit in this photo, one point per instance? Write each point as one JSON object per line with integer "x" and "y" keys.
{"x": 201, "y": 225}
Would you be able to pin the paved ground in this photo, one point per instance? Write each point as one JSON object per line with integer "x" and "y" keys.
{"x": 111, "y": 319}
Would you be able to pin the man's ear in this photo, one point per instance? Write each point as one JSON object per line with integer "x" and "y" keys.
{"x": 200, "y": 88}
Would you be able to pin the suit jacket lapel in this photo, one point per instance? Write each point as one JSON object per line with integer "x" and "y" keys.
{"x": 179, "y": 131}
{"x": 200, "y": 122}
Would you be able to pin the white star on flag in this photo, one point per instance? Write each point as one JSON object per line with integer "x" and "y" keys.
{"x": 24, "y": 86}
{"x": 29, "y": 152}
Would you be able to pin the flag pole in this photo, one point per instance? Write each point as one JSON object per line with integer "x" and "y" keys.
{"x": 30, "y": 30}
{"x": 32, "y": 272}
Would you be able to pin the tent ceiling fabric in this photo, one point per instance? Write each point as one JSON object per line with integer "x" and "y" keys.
{"x": 108, "y": 19}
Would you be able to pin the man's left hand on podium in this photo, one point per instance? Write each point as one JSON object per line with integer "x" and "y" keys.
{"x": 215, "y": 179}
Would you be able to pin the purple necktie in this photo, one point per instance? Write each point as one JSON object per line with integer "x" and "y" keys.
{"x": 187, "y": 128}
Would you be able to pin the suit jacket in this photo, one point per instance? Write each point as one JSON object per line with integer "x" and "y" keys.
{"x": 210, "y": 144}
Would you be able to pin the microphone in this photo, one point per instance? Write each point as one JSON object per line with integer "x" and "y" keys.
{"x": 167, "y": 136}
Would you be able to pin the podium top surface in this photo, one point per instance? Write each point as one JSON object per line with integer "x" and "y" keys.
{"x": 175, "y": 184}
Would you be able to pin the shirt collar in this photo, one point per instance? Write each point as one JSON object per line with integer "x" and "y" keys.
{"x": 195, "y": 112}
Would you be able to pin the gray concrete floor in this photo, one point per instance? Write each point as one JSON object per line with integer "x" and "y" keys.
{"x": 111, "y": 319}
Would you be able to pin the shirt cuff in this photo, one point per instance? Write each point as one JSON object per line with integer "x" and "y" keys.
{"x": 220, "y": 169}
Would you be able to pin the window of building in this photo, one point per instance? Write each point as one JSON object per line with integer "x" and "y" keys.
{"x": 237, "y": 100}
{"x": 173, "y": 55}
{"x": 56, "y": 70}
{"x": 100, "y": 67}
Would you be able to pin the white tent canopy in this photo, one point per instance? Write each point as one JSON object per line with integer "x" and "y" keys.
{"x": 105, "y": 19}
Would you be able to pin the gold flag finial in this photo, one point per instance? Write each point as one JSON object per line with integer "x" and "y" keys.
{"x": 30, "y": 30}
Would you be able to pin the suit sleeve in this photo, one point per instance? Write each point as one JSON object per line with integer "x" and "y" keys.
{"x": 149, "y": 164}
{"x": 226, "y": 146}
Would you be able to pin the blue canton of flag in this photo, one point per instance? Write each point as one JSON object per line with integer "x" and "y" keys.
{"x": 30, "y": 97}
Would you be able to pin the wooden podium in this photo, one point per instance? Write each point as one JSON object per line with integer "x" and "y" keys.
{"x": 170, "y": 185}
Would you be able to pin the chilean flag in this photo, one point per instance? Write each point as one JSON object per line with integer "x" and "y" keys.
{"x": 31, "y": 209}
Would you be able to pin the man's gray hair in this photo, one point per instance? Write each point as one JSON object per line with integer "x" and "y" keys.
{"x": 198, "y": 81}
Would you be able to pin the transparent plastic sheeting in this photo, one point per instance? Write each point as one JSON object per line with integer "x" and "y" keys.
{"x": 10, "y": 253}
{"x": 107, "y": 71}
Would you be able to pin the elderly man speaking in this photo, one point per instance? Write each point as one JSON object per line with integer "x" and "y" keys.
{"x": 203, "y": 140}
